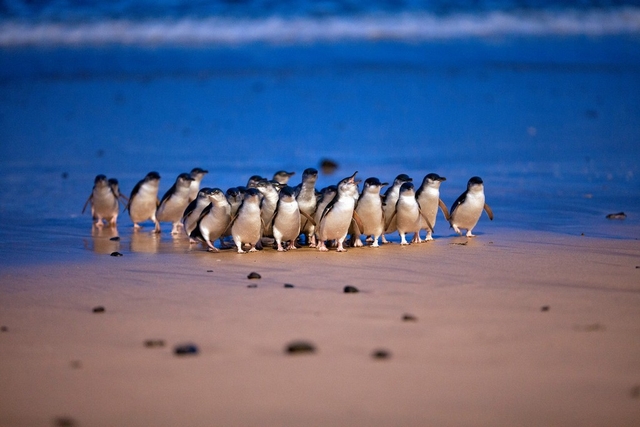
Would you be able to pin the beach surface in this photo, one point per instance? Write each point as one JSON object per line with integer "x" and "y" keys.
{"x": 536, "y": 321}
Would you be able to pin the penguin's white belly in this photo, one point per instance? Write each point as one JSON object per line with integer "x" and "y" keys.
{"x": 468, "y": 213}
{"x": 173, "y": 208}
{"x": 408, "y": 218}
{"x": 286, "y": 225}
{"x": 370, "y": 213}
{"x": 105, "y": 204}
{"x": 429, "y": 207}
{"x": 335, "y": 224}
{"x": 246, "y": 227}
{"x": 143, "y": 205}
{"x": 215, "y": 222}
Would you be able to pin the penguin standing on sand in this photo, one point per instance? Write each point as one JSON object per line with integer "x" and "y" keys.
{"x": 428, "y": 196}
{"x": 115, "y": 187}
{"x": 247, "y": 225}
{"x": 197, "y": 174}
{"x": 174, "y": 202}
{"x": 326, "y": 196}
{"x": 337, "y": 216}
{"x": 408, "y": 216}
{"x": 268, "y": 206}
{"x": 370, "y": 210}
{"x": 104, "y": 202}
{"x": 282, "y": 177}
{"x": 390, "y": 199}
{"x": 192, "y": 213}
{"x": 214, "y": 219}
{"x": 143, "y": 201}
{"x": 466, "y": 210}
{"x": 286, "y": 219}
{"x": 307, "y": 201}
{"x": 235, "y": 195}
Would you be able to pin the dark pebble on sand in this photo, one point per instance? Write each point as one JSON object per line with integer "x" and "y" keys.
{"x": 116, "y": 254}
{"x": 635, "y": 392}
{"x": 619, "y": 215}
{"x": 328, "y": 166}
{"x": 209, "y": 271}
{"x": 76, "y": 364}
{"x": 288, "y": 285}
{"x": 185, "y": 350}
{"x": 252, "y": 286}
{"x": 98, "y": 309}
{"x": 254, "y": 275}
{"x": 350, "y": 289}
{"x": 3, "y": 329}
{"x": 381, "y": 354}
{"x": 544, "y": 308}
{"x": 154, "y": 343}
{"x": 409, "y": 318}
{"x": 64, "y": 422}
{"x": 300, "y": 347}
{"x": 115, "y": 239}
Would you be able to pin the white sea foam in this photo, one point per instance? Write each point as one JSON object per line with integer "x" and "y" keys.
{"x": 402, "y": 27}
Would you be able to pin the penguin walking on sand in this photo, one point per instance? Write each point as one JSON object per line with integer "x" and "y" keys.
{"x": 197, "y": 174}
{"x": 337, "y": 216}
{"x": 143, "y": 201}
{"x": 247, "y": 225}
{"x": 466, "y": 210}
{"x": 214, "y": 219}
{"x": 286, "y": 220}
{"x": 192, "y": 213}
{"x": 308, "y": 201}
{"x": 428, "y": 196}
{"x": 174, "y": 202}
{"x": 390, "y": 199}
{"x": 370, "y": 210}
{"x": 408, "y": 216}
{"x": 104, "y": 202}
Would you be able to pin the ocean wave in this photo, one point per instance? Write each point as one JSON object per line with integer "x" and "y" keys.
{"x": 408, "y": 27}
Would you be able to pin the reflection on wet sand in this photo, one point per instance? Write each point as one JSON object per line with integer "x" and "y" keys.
{"x": 105, "y": 240}
{"x": 145, "y": 242}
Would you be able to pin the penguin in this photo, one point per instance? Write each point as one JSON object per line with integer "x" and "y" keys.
{"x": 407, "y": 215}
{"x": 325, "y": 196}
{"x": 143, "y": 201}
{"x": 197, "y": 174}
{"x": 307, "y": 201}
{"x": 428, "y": 196}
{"x": 214, "y": 219}
{"x": 282, "y": 177}
{"x": 286, "y": 219}
{"x": 192, "y": 213}
{"x": 390, "y": 198}
{"x": 370, "y": 210}
{"x": 174, "y": 202}
{"x": 254, "y": 180}
{"x": 247, "y": 225}
{"x": 268, "y": 206}
{"x": 104, "y": 202}
{"x": 235, "y": 195}
{"x": 338, "y": 214}
{"x": 115, "y": 187}
{"x": 466, "y": 210}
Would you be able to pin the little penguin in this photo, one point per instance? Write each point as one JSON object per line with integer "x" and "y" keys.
{"x": 323, "y": 199}
{"x": 254, "y": 180}
{"x": 466, "y": 210}
{"x": 115, "y": 187}
{"x": 408, "y": 216}
{"x": 369, "y": 208}
{"x": 247, "y": 225}
{"x": 143, "y": 201}
{"x": 235, "y": 195}
{"x": 269, "y": 204}
{"x": 104, "y": 202}
{"x": 338, "y": 214}
{"x": 214, "y": 219}
{"x": 174, "y": 202}
{"x": 197, "y": 174}
{"x": 428, "y": 196}
{"x": 282, "y": 177}
{"x": 286, "y": 219}
{"x": 194, "y": 209}
{"x": 307, "y": 201}
{"x": 390, "y": 198}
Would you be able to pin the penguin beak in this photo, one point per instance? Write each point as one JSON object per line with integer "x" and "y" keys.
{"x": 384, "y": 184}
{"x": 442, "y": 178}
{"x": 352, "y": 178}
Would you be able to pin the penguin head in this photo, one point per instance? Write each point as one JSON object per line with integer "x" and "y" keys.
{"x": 184, "y": 180}
{"x": 204, "y": 192}
{"x": 373, "y": 185}
{"x": 433, "y": 180}
{"x": 287, "y": 194}
{"x": 407, "y": 189}
{"x": 253, "y": 181}
{"x": 282, "y": 177}
{"x": 475, "y": 184}
{"x": 198, "y": 173}
{"x": 252, "y": 194}
{"x": 310, "y": 174}
{"x": 232, "y": 193}
{"x": 349, "y": 185}
{"x": 265, "y": 187}
{"x": 216, "y": 195}
{"x": 403, "y": 177}
{"x": 152, "y": 176}
{"x": 100, "y": 179}
{"x": 113, "y": 183}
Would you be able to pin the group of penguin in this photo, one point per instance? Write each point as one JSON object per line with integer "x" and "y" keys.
{"x": 270, "y": 211}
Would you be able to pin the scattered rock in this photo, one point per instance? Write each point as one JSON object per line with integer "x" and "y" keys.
{"x": 154, "y": 343}
{"x": 4, "y": 329}
{"x": 350, "y": 289}
{"x": 252, "y": 286}
{"x": 300, "y": 347}
{"x": 209, "y": 271}
{"x": 185, "y": 350}
{"x": 98, "y": 309}
{"x": 288, "y": 285}
{"x": 460, "y": 243}
{"x": 254, "y": 275}
{"x": 635, "y": 392}
{"x": 544, "y": 308}
{"x": 328, "y": 166}
{"x": 619, "y": 215}
{"x": 115, "y": 239}
{"x": 76, "y": 364}
{"x": 381, "y": 354}
{"x": 116, "y": 254}
{"x": 409, "y": 318}
{"x": 64, "y": 422}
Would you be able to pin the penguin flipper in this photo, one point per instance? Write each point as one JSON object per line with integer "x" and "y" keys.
{"x": 444, "y": 209}
{"x": 87, "y": 202}
{"x": 358, "y": 221}
{"x": 308, "y": 217}
{"x": 426, "y": 220}
{"x": 489, "y": 211}
{"x": 460, "y": 200}
{"x": 329, "y": 206}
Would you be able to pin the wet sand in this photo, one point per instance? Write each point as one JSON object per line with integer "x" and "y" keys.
{"x": 510, "y": 328}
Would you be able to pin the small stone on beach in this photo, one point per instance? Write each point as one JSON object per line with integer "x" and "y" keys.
{"x": 288, "y": 285}
{"x": 544, "y": 308}
{"x": 3, "y": 329}
{"x": 115, "y": 239}
{"x": 209, "y": 271}
{"x": 409, "y": 318}
{"x": 98, "y": 309}
{"x": 350, "y": 289}
{"x": 185, "y": 350}
{"x": 254, "y": 275}
{"x": 381, "y": 354}
{"x": 64, "y": 422}
{"x": 300, "y": 347}
{"x": 154, "y": 343}
{"x": 252, "y": 286}
{"x": 116, "y": 254}
{"x": 635, "y": 392}
{"x": 76, "y": 364}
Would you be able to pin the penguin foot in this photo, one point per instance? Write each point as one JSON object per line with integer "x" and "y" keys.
{"x": 291, "y": 246}
{"x": 456, "y": 229}
{"x": 253, "y": 249}
{"x": 322, "y": 247}
{"x": 213, "y": 249}
{"x": 469, "y": 234}
{"x": 429, "y": 238}
{"x": 357, "y": 243}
